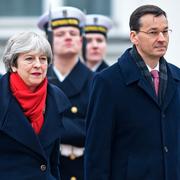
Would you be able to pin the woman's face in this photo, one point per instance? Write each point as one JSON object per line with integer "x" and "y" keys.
{"x": 32, "y": 68}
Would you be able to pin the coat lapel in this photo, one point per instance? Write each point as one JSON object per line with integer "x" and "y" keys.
{"x": 147, "y": 88}
{"x": 74, "y": 82}
{"x": 13, "y": 121}
{"x": 16, "y": 125}
{"x": 102, "y": 66}
{"x": 173, "y": 80}
{"x": 55, "y": 106}
{"x": 132, "y": 74}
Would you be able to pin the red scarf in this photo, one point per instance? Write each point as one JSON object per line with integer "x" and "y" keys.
{"x": 32, "y": 103}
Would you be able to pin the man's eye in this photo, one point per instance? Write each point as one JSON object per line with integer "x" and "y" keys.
{"x": 59, "y": 34}
{"x": 88, "y": 40}
{"x": 73, "y": 33}
{"x": 165, "y": 31}
{"x": 153, "y": 32}
{"x": 99, "y": 40}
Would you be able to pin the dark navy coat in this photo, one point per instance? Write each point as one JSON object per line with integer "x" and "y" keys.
{"x": 76, "y": 87}
{"x": 102, "y": 66}
{"x": 23, "y": 154}
{"x": 129, "y": 136}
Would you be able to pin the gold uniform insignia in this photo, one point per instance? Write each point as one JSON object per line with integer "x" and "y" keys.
{"x": 74, "y": 109}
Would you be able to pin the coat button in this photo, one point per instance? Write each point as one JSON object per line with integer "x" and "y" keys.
{"x": 74, "y": 109}
{"x": 163, "y": 115}
{"x": 43, "y": 167}
{"x": 73, "y": 178}
{"x": 165, "y": 149}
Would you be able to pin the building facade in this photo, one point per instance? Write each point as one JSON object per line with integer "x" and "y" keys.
{"x": 22, "y": 15}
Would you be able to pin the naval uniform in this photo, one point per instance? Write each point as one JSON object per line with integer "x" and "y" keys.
{"x": 76, "y": 87}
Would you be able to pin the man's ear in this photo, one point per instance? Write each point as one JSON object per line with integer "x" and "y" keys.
{"x": 133, "y": 37}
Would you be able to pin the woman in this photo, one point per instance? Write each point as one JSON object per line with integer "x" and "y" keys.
{"x": 31, "y": 111}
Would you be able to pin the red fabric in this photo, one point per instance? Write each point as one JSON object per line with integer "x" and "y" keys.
{"x": 33, "y": 103}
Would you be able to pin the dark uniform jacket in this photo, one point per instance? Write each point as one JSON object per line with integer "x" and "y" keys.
{"x": 23, "y": 154}
{"x": 129, "y": 135}
{"x": 102, "y": 66}
{"x": 76, "y": 87}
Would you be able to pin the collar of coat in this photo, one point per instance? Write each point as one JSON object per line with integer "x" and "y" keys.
{"x": 132, "y": 73}
{"x": 73, "y": 84}
{"x": 14, "y": 123}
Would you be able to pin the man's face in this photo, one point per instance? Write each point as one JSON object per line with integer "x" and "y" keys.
{"x": 66, "y": 41}
{"x": 96, "y": 47}
{"x": 153, "y": 37}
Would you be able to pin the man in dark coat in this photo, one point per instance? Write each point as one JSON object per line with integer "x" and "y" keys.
{"x": 73, "y": 77}
{"x": 96, "y": 31}
{"x": 133, "y": 125}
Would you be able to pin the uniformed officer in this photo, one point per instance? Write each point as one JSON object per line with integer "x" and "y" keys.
{"x": 96, "y": 29}
{"x": 73, "y": 77}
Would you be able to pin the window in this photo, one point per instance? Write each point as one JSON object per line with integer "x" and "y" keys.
{"x": 91, "y": 6}
{"x": 17, "y": 8}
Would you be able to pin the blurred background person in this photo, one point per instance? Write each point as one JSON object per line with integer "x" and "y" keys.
{"x": 31, "y": 111}
{"x": 96, "y": 30}
{"x": 73, "y": 77}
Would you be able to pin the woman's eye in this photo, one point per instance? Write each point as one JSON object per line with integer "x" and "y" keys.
{"x": 29, "y": 59}
{"x": 43, "y": 60}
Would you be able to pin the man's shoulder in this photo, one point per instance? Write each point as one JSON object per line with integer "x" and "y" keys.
{"x": 110, "y": 72}
{"x": 84, "y": 68}
{"x": 175, "y": 70}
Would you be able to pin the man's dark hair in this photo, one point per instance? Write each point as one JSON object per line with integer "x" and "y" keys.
{"x": 135, "y": 17}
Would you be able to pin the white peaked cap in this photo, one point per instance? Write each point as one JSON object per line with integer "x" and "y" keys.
{"x": 62, "y": 16}
{"x": 98, "y": 23}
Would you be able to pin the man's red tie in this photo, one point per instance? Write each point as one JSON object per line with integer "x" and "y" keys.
{"x": 155, "y": 75}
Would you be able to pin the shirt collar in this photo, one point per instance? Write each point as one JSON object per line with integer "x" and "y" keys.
{"x": 94, "y": 68}
{"x": 156, "y": 68}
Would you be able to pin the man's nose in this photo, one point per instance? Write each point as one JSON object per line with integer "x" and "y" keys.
{"x": 161, "y": 36}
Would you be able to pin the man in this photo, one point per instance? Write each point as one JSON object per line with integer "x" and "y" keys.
{"x": 133, "y": 125}
{"x": 96, "y": 29}
{"x": 73, "y": 77}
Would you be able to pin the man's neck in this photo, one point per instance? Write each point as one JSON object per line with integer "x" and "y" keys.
{"x": 65, "y": 64}
{"x": 91, "y": 64}
{"x": 150, "y": 61}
